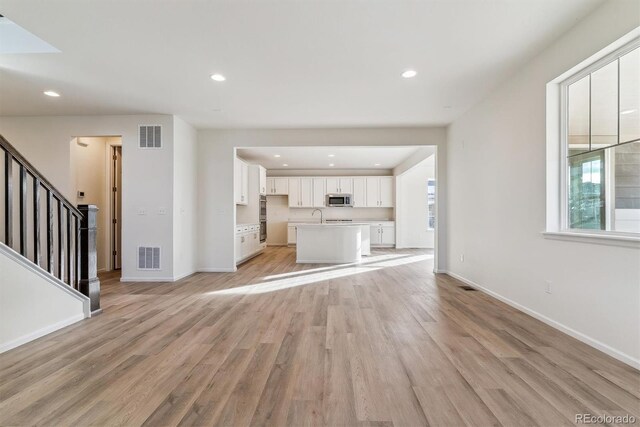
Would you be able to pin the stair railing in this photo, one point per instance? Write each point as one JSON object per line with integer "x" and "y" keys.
{"x": 61, "y": 220}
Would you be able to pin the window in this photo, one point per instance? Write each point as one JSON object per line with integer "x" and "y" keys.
{"x": 431, "y": 204}
{"x": 601, "y": 144}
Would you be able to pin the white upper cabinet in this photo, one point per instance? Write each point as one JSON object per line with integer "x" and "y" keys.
{"x": 339, "y": 185}
{"x": 306, "y": 192}
{"x": 380, "y": 192}
{"x": 263, "y": 180}
{"x": 277, "y": 186}
{"x": 294, "y": 192}
{"x": 373, "y": 192}
{"x": 310, "y": 192}
{"x": 319, "y": 192}
{"x": 386, "y": 192}
{"x": 300, "y": 192}
{"x": 333, "y": 185}
{"x": 359, "y": 192}
{"x": 346, "y": 185}
{"x": 241, "y": 182}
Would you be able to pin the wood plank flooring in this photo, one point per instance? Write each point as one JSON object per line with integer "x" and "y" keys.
{"x": 383, "y": 343}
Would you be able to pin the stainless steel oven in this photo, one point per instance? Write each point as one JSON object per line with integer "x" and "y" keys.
{"x": 263, "y": 219}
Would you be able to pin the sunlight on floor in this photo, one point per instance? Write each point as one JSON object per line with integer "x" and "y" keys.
{"x": 366, "y": 260}
{"x": 336, "y": 273}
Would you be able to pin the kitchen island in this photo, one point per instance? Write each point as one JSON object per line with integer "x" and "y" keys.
{"x": 331, "y": 243}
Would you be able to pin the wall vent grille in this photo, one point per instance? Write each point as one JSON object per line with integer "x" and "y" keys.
{"x": 148, "y": 258}
{"x": 150, "y": 136}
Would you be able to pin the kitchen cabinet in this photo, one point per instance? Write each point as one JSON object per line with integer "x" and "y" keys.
{"x": 359, "y": 192}
{"x": 387, "y": 235}
{"x": 277, "y": 186}
{"x": 291, "y": 235}
{"x": 262, "y": 172}
{"x": 383, "y": 234}
{"x": 379, "y": 192}
{"x": 247, "y": 242}
{"x": 241, "y": 182}
{"x": 319, "y": 192}
{"x": 339, "y": 185}
{"x": 300, "y": 192}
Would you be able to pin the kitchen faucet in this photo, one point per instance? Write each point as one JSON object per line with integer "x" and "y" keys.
{"x": 319, "y": 210}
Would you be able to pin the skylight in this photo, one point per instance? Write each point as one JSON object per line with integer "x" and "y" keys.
{"x": 15, "y": 39}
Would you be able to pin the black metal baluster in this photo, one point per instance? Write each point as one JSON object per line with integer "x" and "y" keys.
{"x": 8, "y": 199}
{"x": 77, "y": 252}
{"x": 69, "y": 257}
{"x": 36, "y": 220}
{"x": 23, "y": 211}
{"x": 49, "y": 231}
{"x": 60, "y": 242}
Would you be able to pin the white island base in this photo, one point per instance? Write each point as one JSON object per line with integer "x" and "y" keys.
{"x": 331, "y": 244}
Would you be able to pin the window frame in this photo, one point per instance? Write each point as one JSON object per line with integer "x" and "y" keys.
{"x": 564, "y": 159}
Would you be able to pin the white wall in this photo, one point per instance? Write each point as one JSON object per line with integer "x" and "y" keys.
{"x": 147, "y": 175}
{"x": 30, "y": 305}
{"x": 216, "y": 216}
{"x": 412, "y": 208}
{"x": 496, "y": 204}
{"x": 185, "y": 190}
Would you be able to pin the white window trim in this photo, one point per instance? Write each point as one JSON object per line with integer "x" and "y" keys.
{"x": 556, "y": 182}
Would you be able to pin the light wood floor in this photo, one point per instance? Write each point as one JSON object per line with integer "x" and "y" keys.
{"x": 385, "y": 343}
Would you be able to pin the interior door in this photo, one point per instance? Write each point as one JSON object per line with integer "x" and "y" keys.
{"x": 117, "y": 208}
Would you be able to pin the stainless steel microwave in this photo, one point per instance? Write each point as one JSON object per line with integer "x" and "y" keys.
{"x": 339, "y": 200}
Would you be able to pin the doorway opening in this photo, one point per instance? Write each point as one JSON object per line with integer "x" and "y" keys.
{"x": 96, "y": 176}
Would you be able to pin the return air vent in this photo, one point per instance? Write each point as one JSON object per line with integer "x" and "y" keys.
{"x": 148, "y": 258}
{"x": 150, "y": 136}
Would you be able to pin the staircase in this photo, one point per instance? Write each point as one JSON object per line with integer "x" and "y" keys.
{"x": 48, "y": 264}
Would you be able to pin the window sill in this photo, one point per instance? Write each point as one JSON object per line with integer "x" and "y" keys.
{"x": 595, "y": 238}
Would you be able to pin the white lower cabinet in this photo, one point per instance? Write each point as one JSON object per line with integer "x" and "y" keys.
{"x": 247, "y": 242}
{"x": 291, "y": 235}
{"x": 383, "y": 234}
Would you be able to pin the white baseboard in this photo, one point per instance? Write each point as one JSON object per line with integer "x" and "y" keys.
{"x": 40, "y": 332}
{"x": 182, "y": 276}
{"x": 216, "y": 270}
{"x": 623, "y": 357}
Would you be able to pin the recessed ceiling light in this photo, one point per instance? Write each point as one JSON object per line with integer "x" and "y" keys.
{"x": 276, "y": 155}
{"x": 409, "y": 74}
{"x": 51, "y": 93}
{"x": 331, "y": 164}
{"x": 285, "y": 164}
{"x": 218, "y": 77}
{"x": 332, "y": 155}
{"x": 377, "y": 164}
{"x": 628, "y": 111}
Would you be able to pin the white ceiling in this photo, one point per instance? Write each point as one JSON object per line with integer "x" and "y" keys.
{"x": 318, "y": 157}
{"x": 288, "y": 63}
